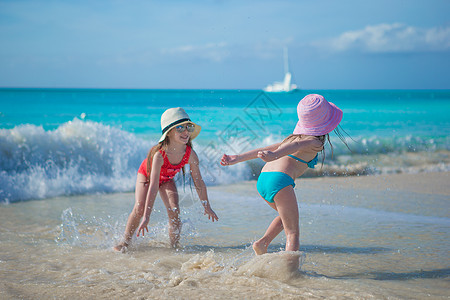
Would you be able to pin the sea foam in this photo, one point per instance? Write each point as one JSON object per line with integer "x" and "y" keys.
{"x": 77, "y": 157}
{"x": 83, "y": 157}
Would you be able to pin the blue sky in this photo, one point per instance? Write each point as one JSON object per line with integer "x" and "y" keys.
{"x": 225, "y": 44}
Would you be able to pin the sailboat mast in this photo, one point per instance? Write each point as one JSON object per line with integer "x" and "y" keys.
{"x": 286, "y": 62}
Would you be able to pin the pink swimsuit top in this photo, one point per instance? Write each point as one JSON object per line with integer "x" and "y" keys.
{"x": 168, "y": 171}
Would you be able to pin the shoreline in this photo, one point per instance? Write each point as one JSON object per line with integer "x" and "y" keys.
{"x": 425, "y": 182}
{"x": 434, "y": 183}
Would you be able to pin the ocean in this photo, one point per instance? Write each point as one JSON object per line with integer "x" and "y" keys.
{"x": 58, "y": 142}
{"x": 375, "y": 218}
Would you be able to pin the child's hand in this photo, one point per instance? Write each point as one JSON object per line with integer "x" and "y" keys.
{"x": 208, "y": 211}
{"x": 228, "y": 160}
{"x": 143, "y": 226}
{"x": 267, "y": 155}
{"x": 211, "y": 214}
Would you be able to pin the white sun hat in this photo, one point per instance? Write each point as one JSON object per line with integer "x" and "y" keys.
{"x": 173, "y": 117}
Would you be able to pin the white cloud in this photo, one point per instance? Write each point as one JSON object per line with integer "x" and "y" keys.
{"x": 391, "y": 38}
{"x": 215, "y": 52}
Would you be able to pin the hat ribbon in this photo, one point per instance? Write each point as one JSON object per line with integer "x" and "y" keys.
{"x": 174, "y": 123}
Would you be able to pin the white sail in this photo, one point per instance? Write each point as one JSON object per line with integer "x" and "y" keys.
{"x": 286, "y": 85}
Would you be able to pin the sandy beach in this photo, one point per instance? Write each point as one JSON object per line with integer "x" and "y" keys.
{"x": 361, "y": 237}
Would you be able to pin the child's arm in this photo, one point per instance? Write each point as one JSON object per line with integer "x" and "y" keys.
{"x": 307, "y": 145}
{"x": 157, "y": 163}
{"x": 200, "y": 186}
{"x": 252, "y": 154}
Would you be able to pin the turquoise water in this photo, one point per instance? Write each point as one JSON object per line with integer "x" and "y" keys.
{"x": 66, "y": 137}
{"x": 423, "y": 113}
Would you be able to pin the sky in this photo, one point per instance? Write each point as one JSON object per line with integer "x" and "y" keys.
{"x": 383, "y": 44}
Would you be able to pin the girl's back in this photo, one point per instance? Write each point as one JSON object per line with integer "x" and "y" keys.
{"x": 290, "y": 165}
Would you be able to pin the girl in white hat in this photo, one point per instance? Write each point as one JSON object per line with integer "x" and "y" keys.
{"x": 164, "y": 161}
{"x": 288, "y": 160}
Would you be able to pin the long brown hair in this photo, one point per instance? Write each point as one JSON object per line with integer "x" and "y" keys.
{"x": 161, "y": 145}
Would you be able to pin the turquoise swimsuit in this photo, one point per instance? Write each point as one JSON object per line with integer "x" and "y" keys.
{"x": 270, "y": 183}
{"x": 311, "y": 164}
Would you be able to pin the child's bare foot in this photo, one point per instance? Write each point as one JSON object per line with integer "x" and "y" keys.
{"x": 121, "y": 247}
{"x": 260, "y": 247}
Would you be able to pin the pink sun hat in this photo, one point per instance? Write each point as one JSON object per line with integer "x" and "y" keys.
{"x": 317, "y": 116}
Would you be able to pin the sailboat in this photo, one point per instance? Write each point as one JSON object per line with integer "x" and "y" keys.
{"x": 286, "y": 85}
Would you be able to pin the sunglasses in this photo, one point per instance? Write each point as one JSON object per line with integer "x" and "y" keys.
{"x": 188, "y": 127}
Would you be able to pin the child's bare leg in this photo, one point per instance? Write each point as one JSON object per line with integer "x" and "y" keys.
{"x": 169, "y": 195}
{"x": 261, "y": 245}
{"x": 136, "y": 214}
{"x": 287, "y": 207}
{"x": 174, "y": 227}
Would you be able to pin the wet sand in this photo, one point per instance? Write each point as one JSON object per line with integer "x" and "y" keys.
{"x": 361, "y": 237}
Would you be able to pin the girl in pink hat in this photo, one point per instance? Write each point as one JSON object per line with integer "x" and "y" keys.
{"x": 156, "y": 174}
{"x": 288, "y": 160}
